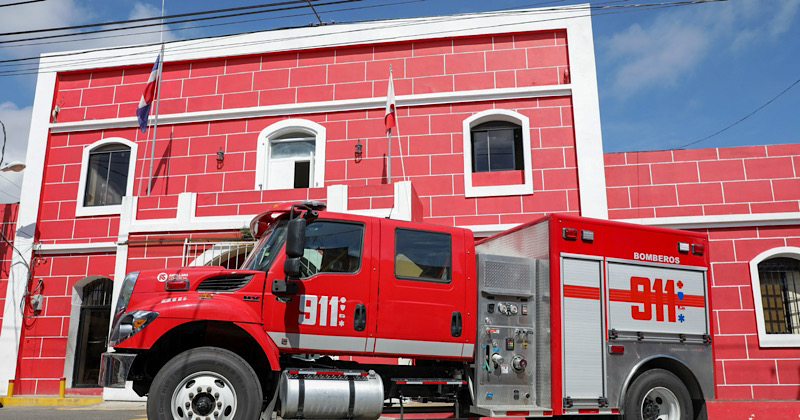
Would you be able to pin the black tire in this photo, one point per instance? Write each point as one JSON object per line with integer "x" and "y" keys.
{"x": 655, "y": 393}
{"x": 205, "y": 380}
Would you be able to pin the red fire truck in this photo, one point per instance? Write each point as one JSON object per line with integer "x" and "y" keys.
{"x": 340, "y": 315}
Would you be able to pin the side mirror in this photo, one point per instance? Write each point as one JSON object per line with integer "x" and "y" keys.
{"x": 295, "y": 238}
{"x": 291, "y": 267}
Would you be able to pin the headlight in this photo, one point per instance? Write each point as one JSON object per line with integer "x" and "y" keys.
{"x": 129, "y": 324}
{"x": 125, "y": 295}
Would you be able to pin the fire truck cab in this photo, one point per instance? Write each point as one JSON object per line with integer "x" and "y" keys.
{"x": 341, "y": 316}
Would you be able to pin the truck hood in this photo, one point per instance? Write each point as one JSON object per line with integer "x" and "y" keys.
{"x": 204, "y": 279}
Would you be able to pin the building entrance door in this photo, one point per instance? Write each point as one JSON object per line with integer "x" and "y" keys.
{"x": 94, "y": 320}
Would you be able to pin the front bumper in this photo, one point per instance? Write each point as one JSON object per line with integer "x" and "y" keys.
{"x": 114, "y": 368}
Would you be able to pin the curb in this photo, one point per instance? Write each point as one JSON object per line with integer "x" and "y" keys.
{"x": 48, "y": 401}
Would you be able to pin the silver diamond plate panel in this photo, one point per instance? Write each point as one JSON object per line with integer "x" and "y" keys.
{"x": 504, "y": 275}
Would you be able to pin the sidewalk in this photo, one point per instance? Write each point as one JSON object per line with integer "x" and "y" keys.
{"x": 50, "y": 400}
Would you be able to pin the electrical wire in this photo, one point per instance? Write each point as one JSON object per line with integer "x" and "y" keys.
{"x": 3, "y": 151}
{"x": 159, "y": 24}
{"x": 20, "y": 3}
{"x": 152, "y": 19}
{"x": 390, "y": 24}
{"x": 71, "y": 53}
{"x": 743, "y": 118}
{"x": 9, "y": 195}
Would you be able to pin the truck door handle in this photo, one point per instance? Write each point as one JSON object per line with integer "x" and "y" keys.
{"x": 455, "y": 324}
{"x": 360, "y": 317}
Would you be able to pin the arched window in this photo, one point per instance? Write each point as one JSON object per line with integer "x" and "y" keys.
{"x": 291, "y": 154}
{"x": 107, "y": 173}
{"x": 775, "y": 275}
{"x": 497, "y": 154}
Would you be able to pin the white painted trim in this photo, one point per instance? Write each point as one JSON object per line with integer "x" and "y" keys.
{"x": 76, "y": 300}
{"x": 80, "y": 209}
{"x": 318, "y": 341}
{"x": 764, "y": 339}
{"x": 497, "y": 190}
{"x": 284, "y": 127}
{"x": 337, "y": 198}
{"x": 401, "y": 207}
{"x": 321, "y": 107}
{"x": 720, "y": 221}
{"x": 27, "y": 217}
{"x": 488, "y": 230}
{"x": 127, "y": 215}
{"x": 586, "y": 118}
{"x": 296, "y": 39}
{"x": 76, "y": 248}
{"x": 417, "y": 347}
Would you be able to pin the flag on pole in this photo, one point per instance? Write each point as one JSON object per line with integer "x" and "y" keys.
{"x": 389, "y": 116}
{"x": 143, "y": 111}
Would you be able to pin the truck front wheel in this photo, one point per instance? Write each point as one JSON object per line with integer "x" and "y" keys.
{"x": 658, "y": 395}
{"x": 206, "y": 382}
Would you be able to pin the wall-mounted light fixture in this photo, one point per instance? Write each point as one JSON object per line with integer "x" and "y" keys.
{"x": 359, "y": 151}
{"x": 220, "y": 158}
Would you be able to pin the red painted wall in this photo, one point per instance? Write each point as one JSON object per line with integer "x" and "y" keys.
{"x": 723, "y": 181}
{"x": 430, "y": 138}
{"x": 8, "y": 226}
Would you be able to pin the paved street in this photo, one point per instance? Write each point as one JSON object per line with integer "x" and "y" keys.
{"x": 102, "y": 411}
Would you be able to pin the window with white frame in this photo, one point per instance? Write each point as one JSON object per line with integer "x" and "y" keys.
{"x": 775, "y": 275}
{"x": 291, "y": 154}
{"x": 497, "y": 154}
{"x": 496, "y": 146}
{"x": 107, "y": 173}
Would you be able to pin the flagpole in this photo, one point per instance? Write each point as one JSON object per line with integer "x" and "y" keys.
{"x": 158, "y": 96}
{"x": 389, "y": 136}
{"x": 389, "y": 162}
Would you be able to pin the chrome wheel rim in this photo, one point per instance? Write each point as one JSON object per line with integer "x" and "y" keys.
{"x": 660, "y": 404}
{"x": 203, "y": 396}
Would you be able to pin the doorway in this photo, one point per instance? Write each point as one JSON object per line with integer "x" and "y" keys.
{"x": 93, "y": 324}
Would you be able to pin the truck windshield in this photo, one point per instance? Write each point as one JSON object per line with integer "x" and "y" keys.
{"x": 267, "y": 248}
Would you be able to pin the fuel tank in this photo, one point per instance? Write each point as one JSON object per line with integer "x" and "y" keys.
{"x": 322, "y": 394}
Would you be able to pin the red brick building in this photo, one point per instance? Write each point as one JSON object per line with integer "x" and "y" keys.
{"x": 498, "y": 123}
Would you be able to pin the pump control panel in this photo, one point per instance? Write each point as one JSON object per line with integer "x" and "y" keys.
{"x": 506, "y": 354}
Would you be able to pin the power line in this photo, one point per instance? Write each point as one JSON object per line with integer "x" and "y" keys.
{"x": 606, "y": 9}
{"x": 2, "y": 176}
{"x": 9, "y": 195}
{"x": 743, "y": 118}
{"x": 20, "y": 3}
{"x": 150, "y": 19}
{"x": 125, "y": 28}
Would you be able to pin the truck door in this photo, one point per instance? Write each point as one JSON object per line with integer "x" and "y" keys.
{"x": 422, "y": 293}
{"x": 582, "y": 332}
{"x": 330, "y": 312}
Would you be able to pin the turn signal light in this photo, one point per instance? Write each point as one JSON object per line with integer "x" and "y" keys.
{"x": 176, "y": 285}
{"x": 617, "y": 349}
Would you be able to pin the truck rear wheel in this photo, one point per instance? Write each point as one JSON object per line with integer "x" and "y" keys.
{"x": 205, "y": 383}
{"x": 658, "y": 395}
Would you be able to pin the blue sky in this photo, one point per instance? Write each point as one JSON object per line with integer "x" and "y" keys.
{"x": 667, "y": 76}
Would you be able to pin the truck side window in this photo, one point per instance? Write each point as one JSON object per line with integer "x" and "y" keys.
{"x": 332, "y": 247}
{"x": 422, "y": 255}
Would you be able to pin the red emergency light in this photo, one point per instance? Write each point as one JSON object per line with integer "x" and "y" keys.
{"x": 698, "y": 249}
{"x": 570, "y": 234}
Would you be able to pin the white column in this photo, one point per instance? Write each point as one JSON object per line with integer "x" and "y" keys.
{"x": 586, "y": 121}
{"x": 26, "y": 227}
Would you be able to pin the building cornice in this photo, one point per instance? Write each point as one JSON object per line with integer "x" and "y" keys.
{"x": 322, "y": 107}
